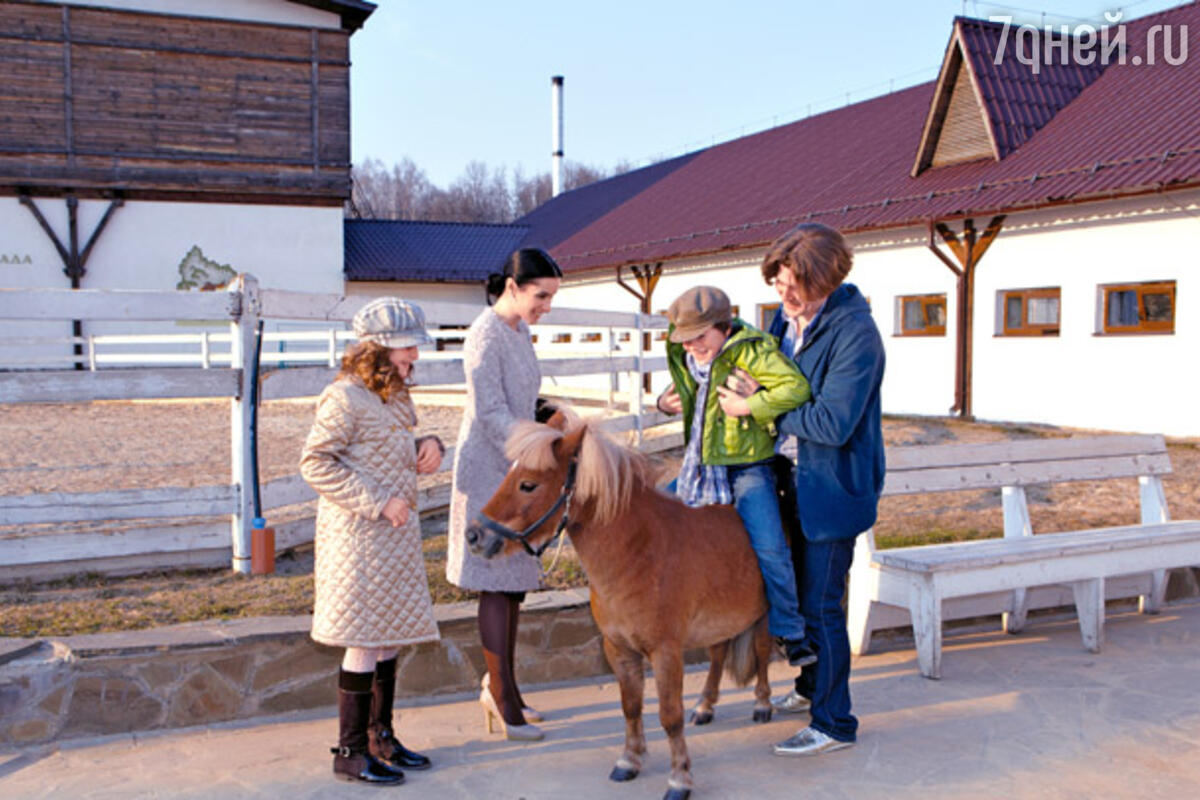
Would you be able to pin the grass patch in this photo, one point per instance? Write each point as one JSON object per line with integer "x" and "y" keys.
{"x": 886, "y": 541}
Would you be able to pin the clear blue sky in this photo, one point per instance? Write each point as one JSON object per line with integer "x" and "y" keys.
{"x": 445, "y": 83}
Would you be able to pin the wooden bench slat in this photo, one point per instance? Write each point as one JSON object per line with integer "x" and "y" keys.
{"x": 1026, "y": 473}
{"x": 960, "y": 455}
{"x": 988, "y": 552}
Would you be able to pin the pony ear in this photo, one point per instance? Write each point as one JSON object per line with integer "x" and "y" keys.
{"x": 568, "y": 445}
{"x": 558, "y": 420}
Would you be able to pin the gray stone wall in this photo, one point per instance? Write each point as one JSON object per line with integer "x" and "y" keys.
{"x": 215, "y": 671}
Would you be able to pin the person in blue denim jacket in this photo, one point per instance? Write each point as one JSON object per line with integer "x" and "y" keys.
{"x": 830, "y": 461}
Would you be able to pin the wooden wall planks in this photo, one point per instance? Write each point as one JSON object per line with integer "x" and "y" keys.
{"x": 175, "y": 105}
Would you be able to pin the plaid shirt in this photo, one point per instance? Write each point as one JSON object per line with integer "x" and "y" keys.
{"x": 699, "y": 484}
{"x": 790, "y": 343}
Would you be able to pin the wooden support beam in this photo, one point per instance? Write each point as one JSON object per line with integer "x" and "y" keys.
{"x": 968, "y": 250}
{"x": 647, "y": 278}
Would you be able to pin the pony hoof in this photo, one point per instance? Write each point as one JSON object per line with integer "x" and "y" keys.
{"x": 677, "y": 794}
{"x": 701, "y": 717}
{"x": 762, "y": 715}
{"x": 622, "y": 774}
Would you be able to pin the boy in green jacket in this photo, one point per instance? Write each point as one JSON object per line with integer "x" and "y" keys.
{"x": 731, "y": 439}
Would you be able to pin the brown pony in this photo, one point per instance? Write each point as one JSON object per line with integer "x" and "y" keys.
{"x": 664, "y": 577}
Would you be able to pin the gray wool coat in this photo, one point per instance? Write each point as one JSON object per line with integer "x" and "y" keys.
{"x": 370, "y": 584}
{"x": 502, "y": 387}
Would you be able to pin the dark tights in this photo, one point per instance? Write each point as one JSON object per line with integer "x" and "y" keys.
{"x": 499, "y": 614}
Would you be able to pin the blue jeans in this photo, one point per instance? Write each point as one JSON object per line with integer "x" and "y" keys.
{"x": 821, "y": 569}
{"x": 757, "y": 503}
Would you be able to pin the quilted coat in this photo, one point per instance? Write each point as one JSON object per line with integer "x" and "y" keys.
{"x": 371, "y": 588}
{"x": 502, "y": 387}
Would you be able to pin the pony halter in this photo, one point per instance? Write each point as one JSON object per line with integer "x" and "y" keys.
{"x": 563, "y": 502}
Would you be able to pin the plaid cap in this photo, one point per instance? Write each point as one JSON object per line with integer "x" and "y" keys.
{"x": 697, "y": 310}
{"x": 391, "y": 322}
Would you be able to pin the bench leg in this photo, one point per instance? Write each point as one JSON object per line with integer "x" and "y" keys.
{"x": 1152, "y": 603}
{"x": 858, "y": 621}
{"x": 1089, "y": 605}
{"x": 926, "y": 609}
{"x": 863, "y": 589}
{"x": 1014, "y": 619}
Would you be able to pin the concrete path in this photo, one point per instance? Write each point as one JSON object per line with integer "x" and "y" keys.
{"x": 1031, "y": 716}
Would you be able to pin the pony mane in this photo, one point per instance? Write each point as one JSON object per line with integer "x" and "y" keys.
{"x": 532, "y": 443}
{"x": 607, "y": 473}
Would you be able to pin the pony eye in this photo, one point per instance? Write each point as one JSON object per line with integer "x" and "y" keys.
{"x": 527, "y": 486}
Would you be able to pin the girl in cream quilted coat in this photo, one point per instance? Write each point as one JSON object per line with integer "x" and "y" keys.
{"x": 371, "y": 591}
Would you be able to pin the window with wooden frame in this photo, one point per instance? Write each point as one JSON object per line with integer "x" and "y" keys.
{"x": 766, "y": 313}
{"x": 591, "y": 337}
{"x": 921, "y": 315}
{"x": 561, "y": 338}
{"x": 1030, "y": 312}
{"x": 1137, "y": 307}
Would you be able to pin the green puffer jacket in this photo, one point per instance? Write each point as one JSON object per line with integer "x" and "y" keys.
{"x": 740, "y": 440}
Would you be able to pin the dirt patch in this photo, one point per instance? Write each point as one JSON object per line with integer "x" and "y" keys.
{"x": 124, "y": 445}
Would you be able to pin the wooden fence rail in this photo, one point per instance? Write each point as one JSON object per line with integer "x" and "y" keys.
{"x": 243, "y": 305}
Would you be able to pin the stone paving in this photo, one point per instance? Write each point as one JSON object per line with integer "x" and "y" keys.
{"x": 1030, "y": 716}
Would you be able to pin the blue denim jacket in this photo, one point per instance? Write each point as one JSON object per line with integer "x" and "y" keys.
{"x": 840, "y": 463}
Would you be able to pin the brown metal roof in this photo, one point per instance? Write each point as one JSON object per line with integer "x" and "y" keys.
{"x": 1132, "y": 129}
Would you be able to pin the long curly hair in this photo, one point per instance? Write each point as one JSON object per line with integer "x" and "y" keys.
{"x": 368, "y": 361}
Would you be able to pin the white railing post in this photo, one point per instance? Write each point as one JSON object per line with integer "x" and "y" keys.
{"x": 241, "y": 352}
{"x": 333, "y": 347}
{"x": 91, "y": 340}
{"x": 205, "y": 351}
{"x": 635, "y": 388}
{"x": 614, "y": 378}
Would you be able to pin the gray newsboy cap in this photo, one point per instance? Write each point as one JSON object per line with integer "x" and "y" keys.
{"x": 391, "y": 322}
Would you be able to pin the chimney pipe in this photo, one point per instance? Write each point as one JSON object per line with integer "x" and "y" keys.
{"x": 556, "y": 123}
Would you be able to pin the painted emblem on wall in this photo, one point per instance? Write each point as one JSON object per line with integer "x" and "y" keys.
{"x": 15, "y": 258}
{"x": 199, "y": 272}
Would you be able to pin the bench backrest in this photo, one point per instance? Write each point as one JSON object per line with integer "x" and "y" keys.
{"x": 991, "y": 465}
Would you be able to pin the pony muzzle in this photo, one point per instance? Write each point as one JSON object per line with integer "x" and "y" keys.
{"x": 483, "y": 542}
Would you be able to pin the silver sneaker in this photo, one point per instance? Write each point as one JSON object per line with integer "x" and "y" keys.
{"x": 791, "y": 703}
{"x": 809, "y": 742}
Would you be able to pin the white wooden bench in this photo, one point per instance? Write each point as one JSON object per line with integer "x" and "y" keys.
{"x": 930, "y": 584}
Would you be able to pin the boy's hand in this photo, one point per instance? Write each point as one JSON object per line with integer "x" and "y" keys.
{"x": 742, "y": 382}
{"x": 732, "y": 403}
{"x": 669, "y": 402}
{"x": 396, "y": 511}
{"x": 429, "y": 456}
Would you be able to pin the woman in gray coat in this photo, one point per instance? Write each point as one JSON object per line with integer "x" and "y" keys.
{"x": 371, "y": 591}
{"x": 502, "y": 388}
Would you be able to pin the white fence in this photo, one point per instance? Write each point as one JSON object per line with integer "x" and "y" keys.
{"x": 222, "y": 367}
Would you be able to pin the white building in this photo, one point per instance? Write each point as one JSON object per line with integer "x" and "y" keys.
{"x": 1078, "y": 185}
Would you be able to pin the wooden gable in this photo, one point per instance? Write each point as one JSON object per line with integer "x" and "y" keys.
{"x": 957, "y": 128}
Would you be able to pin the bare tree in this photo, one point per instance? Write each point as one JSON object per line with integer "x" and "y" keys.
{"x": 480, "y": 194}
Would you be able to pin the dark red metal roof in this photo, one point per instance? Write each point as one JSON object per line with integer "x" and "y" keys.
{"x": 1130, "y": 129}
{"x": 1024, "y": 90}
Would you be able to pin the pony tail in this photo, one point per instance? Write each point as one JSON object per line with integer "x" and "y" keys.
{"x": 495, "y": 285}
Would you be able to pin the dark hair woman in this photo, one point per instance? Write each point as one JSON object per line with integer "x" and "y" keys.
{"x": 502, "y": 388}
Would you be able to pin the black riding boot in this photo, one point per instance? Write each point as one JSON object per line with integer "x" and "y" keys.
{"x": 352, "y": 760}
{"x": 384, "y": 744}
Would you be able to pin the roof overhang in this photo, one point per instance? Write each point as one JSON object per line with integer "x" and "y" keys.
{"x": 353, "y": 12}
